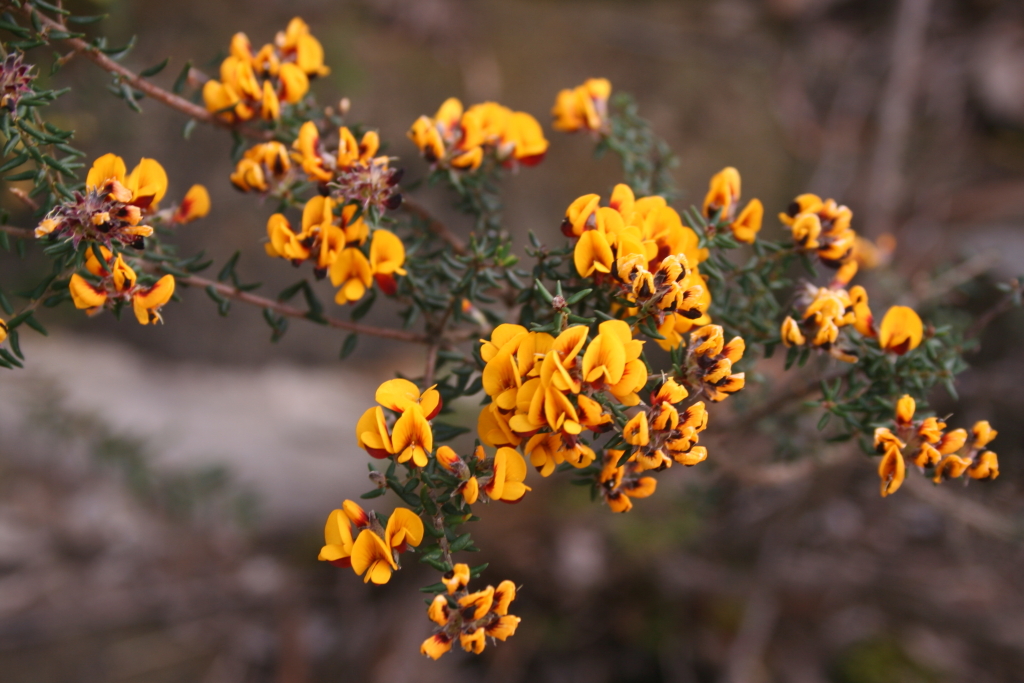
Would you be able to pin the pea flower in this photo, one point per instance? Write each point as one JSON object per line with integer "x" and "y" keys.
{"x": 117, "y": 283}
{"x": 584, "y": 107}
{"x": 470, "y": 617}
{"x": 460, "y": 139}
{"x": 823, "y": 226}
{"x": 722, "y": 200}
{"x": 928, "y": 445}
{"x": 901, "y": 330}
{"x": 255, "y": 84}
{"x": 411, "y": 439}
{"x": 113, "y": 206}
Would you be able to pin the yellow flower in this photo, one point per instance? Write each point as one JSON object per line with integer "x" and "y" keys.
{"x": 901, "y": 330}
{"x": 748, "y": 223}
{"x": 249, "y": 176}
{"x": 863, "y": 319}
{"x": 723, "y": 193}
{"x": 84, "y": 294}
{"x": 669, "y": 392}
{"x": 503, "y": 627}
{"x": 806, "y": 230}
{"x": 399, "y": 394}
{"x": 355, "y": 513}
{"x": 506, "y": 483}
{"x": 584, "y": 107}
{"x": 372, "y": 433}
{"x": 473, "y": 642}
{"x": 983, "y": 434}
{"x": 196, "y": 204}
{"x": 593, "y": 253}
{"x": 404, "y": 528}
{"x": 985, "y": 467}
{"x": 635, "y": 432}
{"x": 952, "y": 441}
{"x": 805, "y": 203}
{"x": 579, "y": 213}
{"x": 427, "y": 138}
{"x": 526, "y": 138}
{"x": 470, "y": 490}
{"x": 148, "y": 301}
{"x": 436, "y": 645}
{"x": 891, "y": 470}
{"x": 438, "y": 611}
{"x": 905, "y": 409}
{"x": 372, "y": 558}
{"x": 352, "y": 272}
{"x": 412, "y": 437}
{"x": 294, "y": 84}
{"x": 456, "y": 578}
{"x": 951, "y": 467}
{"x": 337, "y": 540}
{"x": 791, "y": 334}
{"x": 387, "y": 255}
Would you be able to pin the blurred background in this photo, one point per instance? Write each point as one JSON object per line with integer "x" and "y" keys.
{"x": 163, "y": 490}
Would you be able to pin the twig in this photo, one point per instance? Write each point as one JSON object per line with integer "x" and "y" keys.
{"x": 24, "y": 233}
{"x": 979, "y": 517}
{"x": 431, "y": 367}
{"x": 292, "y": 312}
{"x": 24, "y": 198}
{"x": 133, "y": 79}
{"x": 435, "y": 226}
{"x": 895, "y": 113}
{"x": 1002, "y": 306}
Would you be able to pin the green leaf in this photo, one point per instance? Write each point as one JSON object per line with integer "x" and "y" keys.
{"x": 461, "y": 543}
{"x": 376, "y": 493}
{"x": 349, "y": 345}
{"x": 93, "y": 19}
{"x": 182, "y": 79}
{"x": 446, "y": 432}
{"x": 154, "y": 70}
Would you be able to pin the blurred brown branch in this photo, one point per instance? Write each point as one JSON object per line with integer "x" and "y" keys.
{"x": 138, "y": 82}
{"x": 435, "y": 226}
{"x": 232, "y": 292}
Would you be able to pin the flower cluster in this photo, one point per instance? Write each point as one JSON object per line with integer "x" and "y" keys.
{"x": 15, "y": 80}
{"x": 827, "y": 310}
{"x": 410, "y": 438}
{"x": 334, "y": 238}
{"x": 722, "y": 201}
{"x": 470, "y": 617}
{"x": 351, "y": 168}
{"x": 710, "y": 361}
{"x": 114, "y": 284}
{"x": 547, "y": 389}
{"x": 949, "y": 455}
{"x": 256, "y": 83}
{"x": 642, "y": 246}
{"x": 374, "y": 552}
{"x": 460, "y": 139}
{"x": 116, "y": 203}
{"x": 823, "y": 227}
{"x": 584, "y": 107}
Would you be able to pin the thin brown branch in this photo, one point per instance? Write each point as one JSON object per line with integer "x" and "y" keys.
{"x": 411, "y": 206}
{"x": 139, "y": 83}
{"x": 292, "y": 312}
{"x": 1002, "y": 306}
{"x": 24, "y": 233}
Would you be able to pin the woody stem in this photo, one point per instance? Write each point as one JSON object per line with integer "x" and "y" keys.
{"x": 138, "y": 82}
{"x": 232, "y": 292}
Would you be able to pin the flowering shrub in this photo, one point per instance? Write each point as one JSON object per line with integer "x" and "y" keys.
{"x": 601, "y": 357}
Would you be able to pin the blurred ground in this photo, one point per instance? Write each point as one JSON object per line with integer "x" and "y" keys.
{"x": 163, "y": 490}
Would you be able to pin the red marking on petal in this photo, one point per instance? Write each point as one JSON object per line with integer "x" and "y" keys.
{"x": 387, "y": 284}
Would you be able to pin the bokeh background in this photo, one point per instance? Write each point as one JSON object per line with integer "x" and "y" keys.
{"x": 163, "y": 490}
